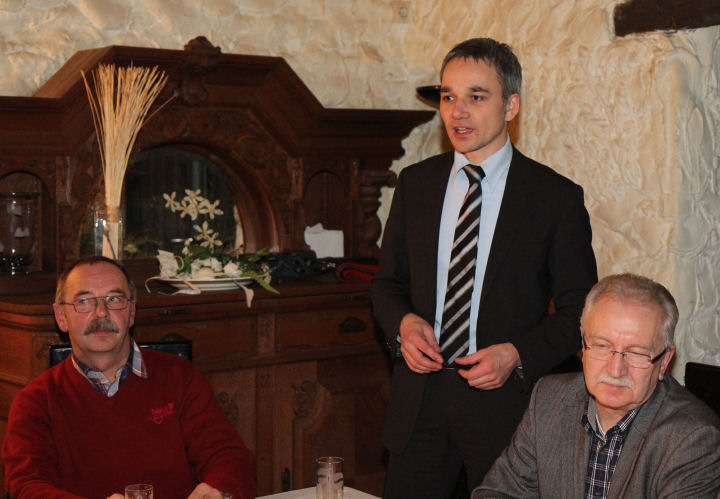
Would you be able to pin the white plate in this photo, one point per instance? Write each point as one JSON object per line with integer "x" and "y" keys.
{"x": 217, "y": 284}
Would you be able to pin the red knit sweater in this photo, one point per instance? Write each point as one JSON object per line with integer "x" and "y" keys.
{"x": 65, "y": 439}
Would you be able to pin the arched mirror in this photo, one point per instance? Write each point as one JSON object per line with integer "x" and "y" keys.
{"x": 172, "y": 194}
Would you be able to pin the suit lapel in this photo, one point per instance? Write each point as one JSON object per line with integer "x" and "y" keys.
{"x": 625, "y": 468}
{"x": 512, "y": 209}
{"x": 432, "y": 196}
{"x": 574, "y": 449}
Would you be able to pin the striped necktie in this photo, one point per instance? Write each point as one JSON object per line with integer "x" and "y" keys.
{"x": 455, "y": 330}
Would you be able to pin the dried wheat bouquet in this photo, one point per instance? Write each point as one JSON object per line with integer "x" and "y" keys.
{"x": 120, "y": 98}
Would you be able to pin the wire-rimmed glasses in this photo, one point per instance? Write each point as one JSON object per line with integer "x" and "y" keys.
{"x": 603, "y": 352}
{"x": 89, "y": 304}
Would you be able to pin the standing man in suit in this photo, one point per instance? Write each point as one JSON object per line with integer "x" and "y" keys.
{"x": 623, "y": 428}
{"x": 471, "y": 259}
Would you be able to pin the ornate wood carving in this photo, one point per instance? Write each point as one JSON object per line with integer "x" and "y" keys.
{"x": 304, "y": 398}
{"x": 368, "y": 226}
{"x": 202, "y": 58}
{"x": 252, "y": 115}
{"x": 229, "y": 405}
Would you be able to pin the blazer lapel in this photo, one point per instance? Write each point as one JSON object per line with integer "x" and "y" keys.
{"x": 432, "y": 197}
{"x": 626, "y": 466}
{"x": 574, "y": 457}
{"x": 511, "y": 213}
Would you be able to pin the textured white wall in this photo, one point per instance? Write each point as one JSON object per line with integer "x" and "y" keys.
{"x": 634, "y": 120}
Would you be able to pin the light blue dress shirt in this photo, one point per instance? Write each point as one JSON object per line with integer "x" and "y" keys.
{"x": 496, "y": 169}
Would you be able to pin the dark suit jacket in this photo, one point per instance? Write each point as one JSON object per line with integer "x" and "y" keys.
{"x": 672, "y": 448}
{"x": 541, "y": 250}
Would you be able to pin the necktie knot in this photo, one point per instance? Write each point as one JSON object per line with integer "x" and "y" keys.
{"x": 474, "y": 173}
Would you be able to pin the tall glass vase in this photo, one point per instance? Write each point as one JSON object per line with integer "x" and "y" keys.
{"x": 109, "y": 233}
{"x": 18, "y": 214}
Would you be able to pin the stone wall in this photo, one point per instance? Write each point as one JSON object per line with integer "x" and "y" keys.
{"x": 634, "y": 120}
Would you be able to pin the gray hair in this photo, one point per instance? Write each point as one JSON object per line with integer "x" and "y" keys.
{"x": 91, "y": 260}
{"x": 497, "y": 55}
{"x": 639, "y": 290}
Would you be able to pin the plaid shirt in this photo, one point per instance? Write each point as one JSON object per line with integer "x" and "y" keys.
{"x": 134, "y": 364}
{"x": 604, "y": 450}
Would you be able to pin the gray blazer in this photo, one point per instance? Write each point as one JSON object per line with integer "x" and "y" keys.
{"x": 672, "y": 449}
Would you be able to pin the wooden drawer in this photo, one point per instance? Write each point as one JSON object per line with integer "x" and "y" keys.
{"x": 214, "y": 340}
{"x": 329, "y": 327}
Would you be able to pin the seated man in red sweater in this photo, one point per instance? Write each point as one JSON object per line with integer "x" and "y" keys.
{"x": 111, "y": 415}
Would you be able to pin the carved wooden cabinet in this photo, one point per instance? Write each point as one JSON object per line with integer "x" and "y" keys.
{"x": 300, "y": 374}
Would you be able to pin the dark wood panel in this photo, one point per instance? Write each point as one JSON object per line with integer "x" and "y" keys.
{"x": 638, "y": 16}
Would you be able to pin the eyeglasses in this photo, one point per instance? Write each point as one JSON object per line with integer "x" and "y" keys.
{"x": 89, "y": 304}
{"x": 634, "y": 359}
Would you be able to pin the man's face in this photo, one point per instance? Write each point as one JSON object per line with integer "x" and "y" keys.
{"x": 624, "y": 327}
{"x": 472, "y": 108}
{"x": 101, "y": 333}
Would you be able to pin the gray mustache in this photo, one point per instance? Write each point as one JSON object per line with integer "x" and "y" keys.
{"x": 101, "y": 324}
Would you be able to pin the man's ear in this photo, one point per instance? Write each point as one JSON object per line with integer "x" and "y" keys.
{"x": 665, "y": 362}
{"x": 512, "y": 107}
{"x": 60, "y": 317}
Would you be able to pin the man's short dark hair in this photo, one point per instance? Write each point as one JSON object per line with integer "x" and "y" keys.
{"x": 497, "y": 55}
{"x": 91, "y": 260}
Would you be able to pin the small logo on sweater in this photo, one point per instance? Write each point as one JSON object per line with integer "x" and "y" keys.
{"x": 159, "y": 415}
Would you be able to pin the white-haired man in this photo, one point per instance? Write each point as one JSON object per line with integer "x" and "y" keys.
{"x": 625, "y": 428}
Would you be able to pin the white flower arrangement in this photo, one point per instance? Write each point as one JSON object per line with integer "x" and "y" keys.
{"x": 199, "y": 259}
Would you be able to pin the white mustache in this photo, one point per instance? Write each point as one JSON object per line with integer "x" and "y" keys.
{"x": 606, "y": 378}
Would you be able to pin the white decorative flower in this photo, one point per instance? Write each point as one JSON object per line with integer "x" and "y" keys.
{"x": 211, "y": 241}
{"x": 204, "y": 231}
{"x": 168, "y": 264}
{"x": 211, "y": 209}
{"x": 204, "y": 274}
{"x": 215, "y": 264}
{"x": 190, "y": 209}
{"x": 192, "y": 196}
{"x": 231, "y": 269}
{"x": 170, "y": 202}
{"x": 211, "y": 263}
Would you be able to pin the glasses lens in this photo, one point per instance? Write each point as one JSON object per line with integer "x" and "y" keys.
{"x": 599, "y": 353}
{"x": 116, "y": 302}
{"x": 85, "y": 305}
{"x": 637, "y": 360}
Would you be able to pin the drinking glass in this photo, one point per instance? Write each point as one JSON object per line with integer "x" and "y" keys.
{"x": 329, "y": 478}
{"x": 139, "y": 491}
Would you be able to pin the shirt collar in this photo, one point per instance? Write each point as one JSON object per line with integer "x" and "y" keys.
{"x": 496, "y": 166}
{"x": 135, "y": 363}
{"x": 591, "y": 418}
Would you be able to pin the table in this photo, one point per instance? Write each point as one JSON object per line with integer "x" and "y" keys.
{"x": 309, "y": 493}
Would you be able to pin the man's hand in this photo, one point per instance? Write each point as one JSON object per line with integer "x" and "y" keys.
{"x": 418, "y": 345}
{"x": 116, "y": 496}
{"x": 205, "y": 491}
{"x": 492, "y": 366}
